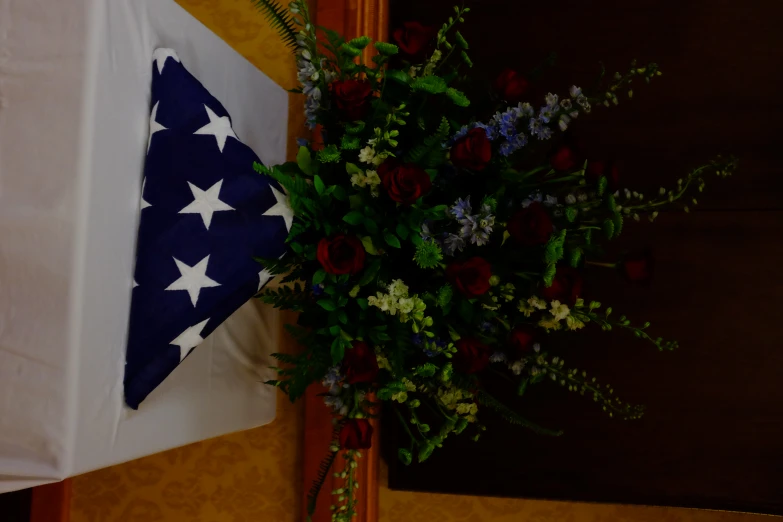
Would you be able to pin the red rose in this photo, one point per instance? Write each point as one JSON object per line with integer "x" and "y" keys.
{"x": 510, "y": 85}
{"x": 472, "y": 356}
{"x": 566, "y": 286}
{"x": 522, "y": 339}
{"x": 597, "y": 168}
{"x": 351, "y": 97}
{"x": 565, "y": 157}
{"x": 360, "y": 364}
{"x": 356, "y": 434}
{"x": 638, "y": 267}
{"x": 470, "y": 277}
{"x": 530, "y": 226}
{"x": 404, "y": 183}
{"x": 341, "y": 254}
{"x": 473, "y": 151}
{"x": 413, "y": 37}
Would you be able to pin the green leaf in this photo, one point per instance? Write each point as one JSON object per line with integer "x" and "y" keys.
{"x": 465, "y": 311}
{"x": 405, "y": 456}
{"x": 342, "y": 317}
{"x": 354, "y": 128}
{"x": 387, "y": 49}
{"x": 305, "y": 160}
{"x": 368, "y": 246}
{"x": 319, "y": 276}
{"x": 522, "y": 387}
{"x": 297, "y": 247}
{"x": 371, "y": 226}
{"x": 430, "y": 153}
{"x": 571, "y": 214}
{"x": 617, "y": 220}
{"x": 549, "y": 274}
{"x": 329, "y": 154}
{"x": 460, "y": 40}
{"x": 339, "y": 193}
{"x": 611, "y": 203}
{"x": 466, "y": 59}
{"x": 576, "y": 256}
{"x": 327, "y": 304}
{"x": 350, "y": 142}
{"x": 608, "y": 228}
{"x": 362, "y": 302}
{"x": 350, "y": 50}
{"x": 338, "y": 351}
{"x": 554, "y": 247}
{"x": 402, "y": 231}
{"x": 399, "y": 76}
{"x": 391, "y": 239}
{"x": 361, "y": 42}
{"x": 426, "y": 451}
{"x": 602, "y": 183}
{"x": 458, "y": 97}
{"x": 334, "y": 330}
{"x": 429, "y": 84}
{"x": 318, "y": 183}
{"x": 351, "y": 168}
{"x": 370, "y": 272}
{"x": 354, "y": 218}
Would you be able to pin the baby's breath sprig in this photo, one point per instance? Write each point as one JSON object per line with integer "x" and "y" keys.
{"x": 461, "y": 43}
{"x": 588, "y": 315}
{"x": 345, "y": 508}
{"x": 623, "y": 81}
{"x": 578, "y": 382}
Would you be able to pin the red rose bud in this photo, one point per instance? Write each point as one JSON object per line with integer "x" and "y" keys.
{"x": 356, "y": 434}
{"x": 360, "y": 364}
{"x": 405, "y": 183}
{"x": 522, "y": 339}
{"x": 474, "y": 151}
{"x": 597, "y": 168}
{"x": 351, "y": 98}
{"x": 566, "y": 286}
{"x": 566, "y": 157}
{"x": 638, "y": 267}
{"x": 412, "y": 37}
{"x": 341, "y": 254}
{"x": 530, "y": 226}
{"x": 472, "y": 356}
{"x": 510, "y": 85}
{"x": 471, "y": 277}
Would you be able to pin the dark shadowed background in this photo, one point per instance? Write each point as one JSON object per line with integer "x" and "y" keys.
{"x": 713, "y": 434}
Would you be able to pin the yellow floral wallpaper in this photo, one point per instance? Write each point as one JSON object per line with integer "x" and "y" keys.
{"x": 255, "y": 475}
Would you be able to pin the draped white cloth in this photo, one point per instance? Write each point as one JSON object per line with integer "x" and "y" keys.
{"x": 74, "y": 110}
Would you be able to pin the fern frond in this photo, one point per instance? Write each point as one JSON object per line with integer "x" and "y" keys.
{"x": 323, "y": 473}
{"x": 279, "y": 19}
{"x": 485, "y": 399}
{"x": 430, "y": 152}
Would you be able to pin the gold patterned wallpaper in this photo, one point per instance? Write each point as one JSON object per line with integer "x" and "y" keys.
{"x": 255, "y": 476}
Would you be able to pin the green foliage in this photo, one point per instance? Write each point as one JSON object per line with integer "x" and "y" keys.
{"x": 279, "y": 19}
{"x": 457, "y": 97}
{"x": 286, "y": 297}
{"x": 460, "y": 40}
{"x": 323, "y": 474}
{"x": 391, "y": 239}
{"x": 355, "y": 127}
{"x": 350, "y": 50}
{"x": 575, "y": 257}
{"x": 329, "y": 154}
{"x": 549, "y": 274}
{"x": 350, "y": 142}
{"x": 554, "y": 247}
{"x": 617, "y": 221}
{"x": 602, "y": 183}
{"x": 512, "y": 417}
{"x": 445, "y": 294}
{"x": 429, "y": 84}
{"x": 405, "y": 456}
{"x": 387, "y": 49}
{"x": 428, "y": 255}
{"x": 430, "y": 153}
{"x": 608, "y": 228}
{"x": 354, "y": 218}
{"x": 571, "y": 214}
{"x": 360, "y": 42}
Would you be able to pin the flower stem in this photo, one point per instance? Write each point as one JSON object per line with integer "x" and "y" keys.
{"x": 605, "y": 265}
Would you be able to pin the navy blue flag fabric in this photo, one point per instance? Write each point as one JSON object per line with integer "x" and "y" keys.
{"x": 205, "y": 213}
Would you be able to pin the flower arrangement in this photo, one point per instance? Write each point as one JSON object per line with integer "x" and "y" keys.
{"x": 432, "y": 243}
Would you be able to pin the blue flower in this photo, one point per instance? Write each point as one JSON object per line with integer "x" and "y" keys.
{"x": 302, "y": 142}
{"x": 318, "y": 290}
{"x": 430, "y": 353}
{"x": 492, "y": 132}
{"x": 416, "y": 339}
{"x": 452, "y": 243}
{"x": 462, "y": 208}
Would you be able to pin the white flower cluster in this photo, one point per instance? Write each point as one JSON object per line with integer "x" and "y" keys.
{"x": 402, "y": 396}
{"x": 559, "y": 312}
{"x": 368, "y": 178}
{"x": 397, "y": 301}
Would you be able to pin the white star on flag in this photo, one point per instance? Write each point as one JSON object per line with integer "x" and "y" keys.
{"x": 189, "y": 339}
{"x": 160, "y": 55}
{"x": 193, "y": 279}
{"x": 144, "y": 202}
{"x": 263, "y": 278}
{"x": 206, "y": 202}
{"x": 219, "y": 127}
{"x": 154, "y": 125}
{"x": 282, "y": 208}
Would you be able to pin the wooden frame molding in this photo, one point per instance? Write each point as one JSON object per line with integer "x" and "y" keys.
{"x": 51, "y": 502}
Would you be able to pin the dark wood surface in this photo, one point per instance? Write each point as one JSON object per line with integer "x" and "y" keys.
{"x": 713, "y": 434}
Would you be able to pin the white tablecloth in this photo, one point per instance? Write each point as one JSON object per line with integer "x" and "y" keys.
{"x": 74, "y": 101}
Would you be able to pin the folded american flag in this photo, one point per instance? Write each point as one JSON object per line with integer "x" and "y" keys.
{"x": 205, "y": 213}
